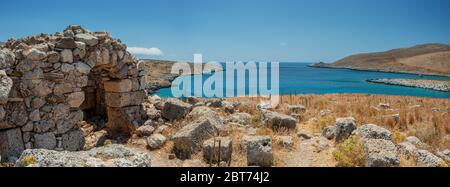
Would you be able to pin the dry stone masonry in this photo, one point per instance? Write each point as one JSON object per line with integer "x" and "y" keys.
{"x": 52, "y": 82}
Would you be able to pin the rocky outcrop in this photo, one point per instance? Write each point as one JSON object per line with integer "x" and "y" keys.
{"x": 443, "y": 86}
{"x": 156, "y": 141}
{"x": 113, "y": 155}
{"x": 50, "y": 82}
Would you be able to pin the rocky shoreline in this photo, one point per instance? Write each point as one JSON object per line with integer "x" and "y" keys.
{"x": 443, "y": 86}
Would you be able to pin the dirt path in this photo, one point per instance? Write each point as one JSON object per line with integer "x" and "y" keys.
{"x": 315, "y": 152}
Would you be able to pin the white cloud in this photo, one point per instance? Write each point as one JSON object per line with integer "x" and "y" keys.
{"x": 145, "y": 51}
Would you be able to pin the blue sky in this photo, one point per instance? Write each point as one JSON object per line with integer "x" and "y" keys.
{"x": 258, "y": 30}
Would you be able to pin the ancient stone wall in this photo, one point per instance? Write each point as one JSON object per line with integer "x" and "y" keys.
{"x": 50, "y": 83}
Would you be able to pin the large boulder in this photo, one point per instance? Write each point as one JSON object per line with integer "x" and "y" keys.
{"x": 11, "y": 143}
{"x": 190, "y": 138}
{"x": 211, "y": 150}
{"x": 259, "y": 150}
{"x": 371, "y": 131}
{"x": 175, "y": 109}
{"x": 113, "y": 155}
{"x": 344, "y": 128}
{"x": 380, "y": 153}
{"x": 278, "y": 121}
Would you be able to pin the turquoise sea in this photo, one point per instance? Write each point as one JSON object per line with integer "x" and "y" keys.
{"x": 298, "y": 78}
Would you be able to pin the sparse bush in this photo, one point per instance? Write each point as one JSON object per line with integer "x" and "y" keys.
{"x": 350, "y": 153}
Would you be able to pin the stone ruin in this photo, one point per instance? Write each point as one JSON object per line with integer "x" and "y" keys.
{"x": 52, "y": 83}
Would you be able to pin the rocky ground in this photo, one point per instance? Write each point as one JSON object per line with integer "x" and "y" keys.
{"x": 239, "y": 132}
{"x": 443, "y": 86}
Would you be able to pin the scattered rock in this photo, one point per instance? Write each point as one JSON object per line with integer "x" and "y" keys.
{"x": 145, "y": 130}
{"x": 259, "y": 150}
{"x": 175, "y": 109}
{"x": 344, "y": 128}
{"x": 156, "y": 141}
{"x": 371, "y": 131}
{"x": 329, "y": 132}
{"x": 381, "y": 153}
{"x": 427, "y": 159}
{"x": 190, "y": 138}
{"x": 240, "y": 118}
{"x": 211, "y": 149}
{"x": 278, "y": 121}
{"x": 284, "y": 141}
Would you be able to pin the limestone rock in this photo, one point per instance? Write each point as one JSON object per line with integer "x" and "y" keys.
{"x": 67, "y": 56}
{"x": 34, "y": 54}
{"x": 240, "y": 118}
{"x": 371, "y": 131}
{"x": 284, "y": 141}
{"x": 259, "y": 150}
{"x": 276, "y": 120}
{"x": 145, "y": 130}
{"x": 75, "y": 99}
{"x": 190, "y": 138}
{"x": 381, "y": 153}
{"x": 113, "y": 155}
{"x": 175, "y": 109}
{"x": 427, "y": 159}
{"x": 156, "y": 141}
{"x": 66, "y": 43}
{"x": 87, "y": 39}
{"x": 344, "y": 128}
{"x": 211, "y": 149}
{"x": 7, "y": 58}
{"x": 6, "y": 84}
{"x": 82, "y": 68}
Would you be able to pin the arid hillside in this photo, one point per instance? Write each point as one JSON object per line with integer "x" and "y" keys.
{"x": 420, "y": 59}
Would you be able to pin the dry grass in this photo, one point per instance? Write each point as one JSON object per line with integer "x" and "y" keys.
{"x": 426, "y": 118}
{"x": 350, "y": 153}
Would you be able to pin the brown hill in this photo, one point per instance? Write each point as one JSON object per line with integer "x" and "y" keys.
{"x": 421, "y": 59}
